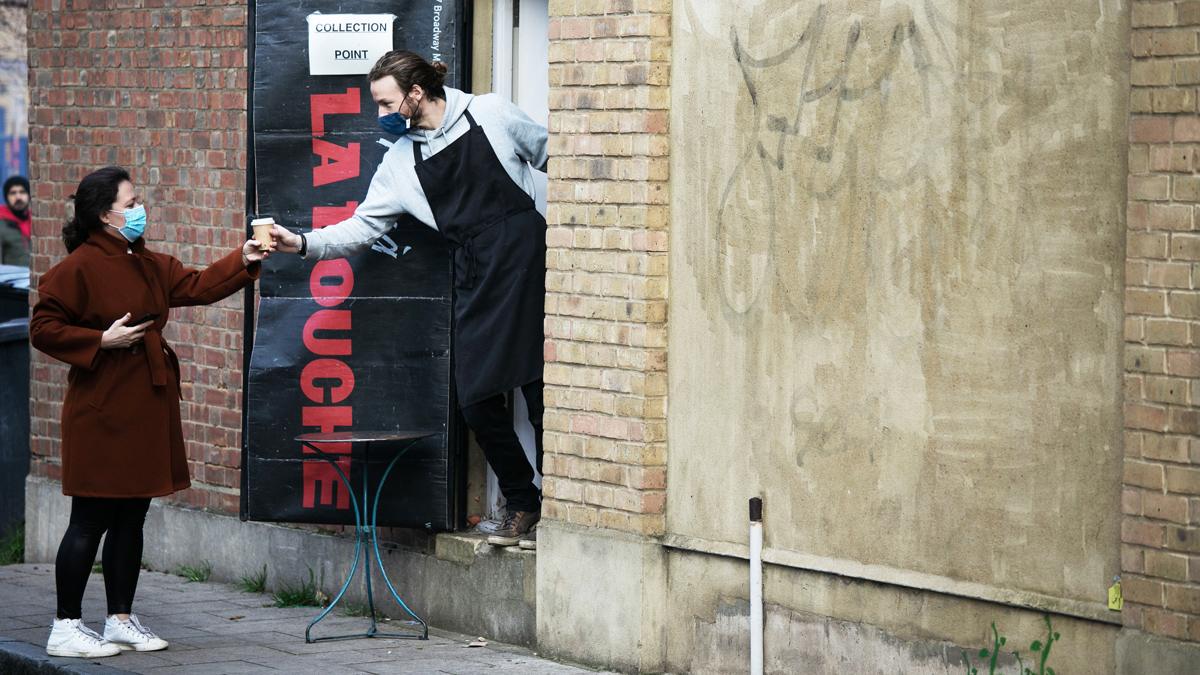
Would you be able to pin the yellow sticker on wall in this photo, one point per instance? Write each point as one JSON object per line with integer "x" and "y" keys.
{"x": 1115, "y": 601}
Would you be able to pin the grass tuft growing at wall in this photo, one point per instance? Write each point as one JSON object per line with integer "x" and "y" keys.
{"x": 199, "y": 573}
{"x": 12, "y": 546}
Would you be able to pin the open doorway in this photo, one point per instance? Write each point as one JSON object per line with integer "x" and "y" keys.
{"x": 517, "y": 32}
{"x": 521, "y": 63}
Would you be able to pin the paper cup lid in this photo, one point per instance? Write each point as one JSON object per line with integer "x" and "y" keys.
{"x": 262, "y": 221}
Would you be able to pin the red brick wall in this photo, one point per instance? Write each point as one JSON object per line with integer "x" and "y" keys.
{"x": 1160, "y": 555}
{"x": 160, "y": 91}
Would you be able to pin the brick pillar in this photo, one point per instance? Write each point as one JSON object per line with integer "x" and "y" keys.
{"x": 606, "y": 310}
{"x": 1160, "y": 534}
{"x": 162, "y": 92}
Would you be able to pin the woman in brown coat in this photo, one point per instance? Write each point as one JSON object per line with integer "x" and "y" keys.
{"x": 102, "y": 310}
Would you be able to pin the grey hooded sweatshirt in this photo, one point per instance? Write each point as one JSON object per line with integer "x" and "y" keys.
{"x": 517, "y": 140}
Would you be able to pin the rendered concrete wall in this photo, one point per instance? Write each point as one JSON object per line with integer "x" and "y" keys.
{"x": 822, "y": 625}
{"x": 602, "y": 597}
{"x": 896, "y": 262}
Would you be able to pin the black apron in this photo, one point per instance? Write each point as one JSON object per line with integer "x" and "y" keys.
{"x": 498, "y": 242}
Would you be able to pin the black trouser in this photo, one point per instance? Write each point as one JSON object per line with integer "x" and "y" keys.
{"x": 91, "y": 517}
{"x": 492, "y": 421}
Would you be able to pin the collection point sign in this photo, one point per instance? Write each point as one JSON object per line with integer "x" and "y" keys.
{"x": 347, "y": 44}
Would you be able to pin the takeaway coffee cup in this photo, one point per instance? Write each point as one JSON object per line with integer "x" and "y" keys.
{"x": 262, "y": 231}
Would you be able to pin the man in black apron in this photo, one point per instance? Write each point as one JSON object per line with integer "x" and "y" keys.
{"x": 499, "y": 244}
{"x": 468, "y": 192}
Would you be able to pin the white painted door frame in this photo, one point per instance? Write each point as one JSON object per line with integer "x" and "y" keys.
{"x": 521, "y": 73}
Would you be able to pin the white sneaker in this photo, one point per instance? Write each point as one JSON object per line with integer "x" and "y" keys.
{"x": 131, "y": 634}
{"x": 69, "y": 637}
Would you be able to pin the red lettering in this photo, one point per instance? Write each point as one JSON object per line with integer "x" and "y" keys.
{"x": 331, "y": 282}
{"x": 337, "y": 163}
{"x": 319, "y": 473}
{"x": 327, "y": 320}
{"x": 331, "y": 294}
{"x": 324, "y": 216}
{"x": 332, "y": 104}
{"x": 338, "y": 271}
{"x": 328, "y": 419}
{"x": 316, "y": 474}
{"x": 326, "y": 369}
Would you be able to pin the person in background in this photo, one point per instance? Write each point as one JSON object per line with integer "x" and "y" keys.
{"x": 102, "y": 311}
{"x": 463, "y": 165}
{"x": 16, "y": 222}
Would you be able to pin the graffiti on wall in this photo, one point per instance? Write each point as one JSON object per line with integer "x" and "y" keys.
{"x": 845, "y": 116}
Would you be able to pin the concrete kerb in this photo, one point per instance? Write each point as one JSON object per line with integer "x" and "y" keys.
{"x": 21, "y": 658}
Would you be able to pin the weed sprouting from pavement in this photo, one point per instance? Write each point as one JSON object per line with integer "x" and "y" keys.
{"x": 199, "y": 572}
{"x": 304, "y": 593}
{"x": 255, "y": 582}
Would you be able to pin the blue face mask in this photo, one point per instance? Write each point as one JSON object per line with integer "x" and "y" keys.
{"x": 394, "y": 123}
{"x": 135, "y": 222}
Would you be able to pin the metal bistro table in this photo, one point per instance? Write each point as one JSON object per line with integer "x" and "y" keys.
{"x": 364, "y": 533}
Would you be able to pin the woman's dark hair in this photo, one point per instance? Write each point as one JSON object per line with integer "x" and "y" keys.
{"x": 409, "y": 69}
{"x": 94, "y": 196}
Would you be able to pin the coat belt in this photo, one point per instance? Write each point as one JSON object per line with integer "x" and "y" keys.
{"x": 156, "y": 356}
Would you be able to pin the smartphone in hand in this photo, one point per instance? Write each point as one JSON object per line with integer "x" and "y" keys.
{"x": 145, "y": 318}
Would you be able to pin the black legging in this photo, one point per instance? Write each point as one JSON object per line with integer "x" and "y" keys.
{"x": 91, "y": 517}
{"x": 492, "y": 421}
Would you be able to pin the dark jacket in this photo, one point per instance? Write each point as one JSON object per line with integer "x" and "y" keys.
{"x": 23, "y": 223}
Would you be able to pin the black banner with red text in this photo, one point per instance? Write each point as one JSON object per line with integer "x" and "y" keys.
{"x": 358, "y": 344}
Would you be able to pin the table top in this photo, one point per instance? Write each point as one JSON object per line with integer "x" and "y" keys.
{"x": 369, "y": 436}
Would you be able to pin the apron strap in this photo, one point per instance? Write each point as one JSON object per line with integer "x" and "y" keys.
{"x": 417, "y": 159}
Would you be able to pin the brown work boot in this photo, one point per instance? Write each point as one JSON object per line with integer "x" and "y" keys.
{"x": 529, "y": 541}
{"x": 513, "y": 527}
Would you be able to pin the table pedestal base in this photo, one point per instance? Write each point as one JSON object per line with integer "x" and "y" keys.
{"x": 366, "y": 542}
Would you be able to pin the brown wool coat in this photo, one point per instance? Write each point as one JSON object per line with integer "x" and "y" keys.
{"x": 121, "y": 431}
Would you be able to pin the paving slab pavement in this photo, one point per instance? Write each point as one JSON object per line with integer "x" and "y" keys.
{"x": 216, "y": 628}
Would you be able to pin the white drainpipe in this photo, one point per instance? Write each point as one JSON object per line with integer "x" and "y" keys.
{"x": 756, "y": 602}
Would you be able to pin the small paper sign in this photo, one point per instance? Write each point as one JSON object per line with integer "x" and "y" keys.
{"x": 1115, "y": 600}
{"x": 347, "y": 44}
